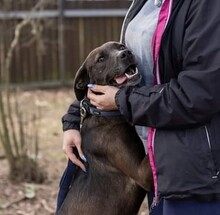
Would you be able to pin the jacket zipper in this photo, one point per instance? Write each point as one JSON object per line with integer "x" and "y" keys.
{"x": 210, "y": 148}
{"x": 123, "y": 24}
{"x": 157, "y": 79}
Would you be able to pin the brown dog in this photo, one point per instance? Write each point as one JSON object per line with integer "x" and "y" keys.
{"x": 118, "y": 174}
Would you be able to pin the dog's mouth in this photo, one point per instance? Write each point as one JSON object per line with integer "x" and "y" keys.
{"x": 130, "y": 75}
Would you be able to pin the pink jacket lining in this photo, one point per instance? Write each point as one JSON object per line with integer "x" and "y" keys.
{"x": 156, "y": 41}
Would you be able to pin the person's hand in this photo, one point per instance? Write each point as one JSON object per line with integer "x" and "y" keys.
{"x": 72, "y": 138}
{"x": 102, "y": 97}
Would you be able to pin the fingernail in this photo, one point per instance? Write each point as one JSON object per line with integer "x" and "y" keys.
{"x": 90, "y": 86}
{"x": 84, "y": 170}
{"x": 84, "y": 158}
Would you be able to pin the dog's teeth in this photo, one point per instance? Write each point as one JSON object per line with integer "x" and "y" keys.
{"x": 131, "y": 71}
{"x": 133, "y": 74}
{"x": 128, "y": 76}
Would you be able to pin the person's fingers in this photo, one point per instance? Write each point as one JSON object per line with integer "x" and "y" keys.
{"x": 92, "y": 97}
{"x": 95, "y": 100}
{"x": 97, "y": 88}
{"x": 78, "y": 146}
{"x": 105, "y": 99}
{"x": 90, "y": 94}
{"x": 75, "y": 160}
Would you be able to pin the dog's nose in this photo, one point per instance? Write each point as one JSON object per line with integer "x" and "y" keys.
{"x": 124, "y": 54}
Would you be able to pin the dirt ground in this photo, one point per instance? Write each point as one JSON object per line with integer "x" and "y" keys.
{"x": 35, "y": 199}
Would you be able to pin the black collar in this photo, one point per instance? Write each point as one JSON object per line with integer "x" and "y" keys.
{"x": 86, "y": 108}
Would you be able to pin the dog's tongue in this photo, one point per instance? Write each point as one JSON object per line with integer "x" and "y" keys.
{"x": 121, "y": 79}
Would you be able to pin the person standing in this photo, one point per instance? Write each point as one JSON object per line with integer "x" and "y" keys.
{"x": 177, "y": 105}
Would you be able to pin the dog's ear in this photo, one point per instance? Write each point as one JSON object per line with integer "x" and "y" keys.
{"x": 80, "y": 82}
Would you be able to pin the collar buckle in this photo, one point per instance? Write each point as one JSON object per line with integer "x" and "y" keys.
{"x": 83, "y": 112}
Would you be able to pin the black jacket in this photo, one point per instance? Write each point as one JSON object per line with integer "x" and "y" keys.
{"x": 185, "y": 107}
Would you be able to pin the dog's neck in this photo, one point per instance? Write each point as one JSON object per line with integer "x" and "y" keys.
{"x": 86, "y": 108}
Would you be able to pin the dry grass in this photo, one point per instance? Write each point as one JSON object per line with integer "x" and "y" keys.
{"x": 14, "y": 197}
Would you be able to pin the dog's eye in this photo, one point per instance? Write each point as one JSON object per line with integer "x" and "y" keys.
{"x": 100, "y": 59}
{"x": 122, "y": 47}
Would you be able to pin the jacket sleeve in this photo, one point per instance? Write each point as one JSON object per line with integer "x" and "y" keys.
{"x": 194, "y": 96}
{"x": 71, "y": 120}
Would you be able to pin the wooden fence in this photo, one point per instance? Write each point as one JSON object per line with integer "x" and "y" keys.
{"x": 68, "y": 32}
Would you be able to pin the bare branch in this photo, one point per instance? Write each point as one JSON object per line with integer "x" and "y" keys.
{"x": 9, "y": 204}
{"x": 13, "y": 134}
{"x": 14, "y": 43}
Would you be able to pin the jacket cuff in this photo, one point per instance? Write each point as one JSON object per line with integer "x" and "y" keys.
{"x": 121, "y": 100}
{"x": 71, "y": 120}
{"x": 68, "y": 126}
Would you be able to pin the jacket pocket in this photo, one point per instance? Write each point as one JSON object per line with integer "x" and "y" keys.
{"x": 184, "y": 159}
{"x": 215, "y": 172}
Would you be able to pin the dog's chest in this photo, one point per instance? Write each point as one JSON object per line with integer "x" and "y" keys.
{"x": 101, "y": 135}
{"x": 97, "y": 135}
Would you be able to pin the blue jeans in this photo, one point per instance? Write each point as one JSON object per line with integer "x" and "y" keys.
{"x": 190, "y": 207}
{"x": 66, "y": 180}
{"x": 156, "y": 210}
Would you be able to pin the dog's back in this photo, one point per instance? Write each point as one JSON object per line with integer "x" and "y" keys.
{"x": 116, "y": 163}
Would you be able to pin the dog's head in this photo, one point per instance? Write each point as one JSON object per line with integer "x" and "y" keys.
{"x": 110, "y": 64}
